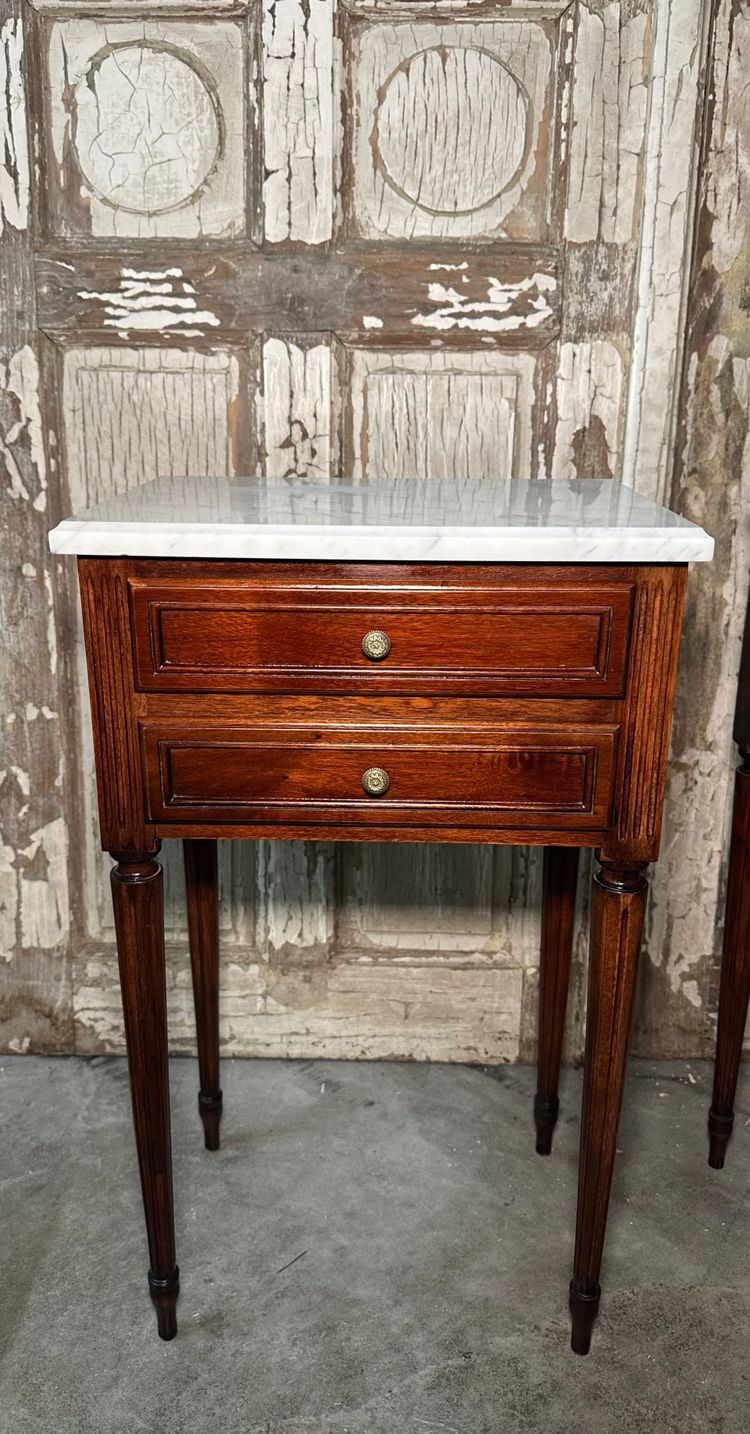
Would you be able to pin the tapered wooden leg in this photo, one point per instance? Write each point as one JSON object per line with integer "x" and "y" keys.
{"x": 734, "y": 988}
{"x": 617, "y": 912}
{"x": 558, "y": 917}
{"x": 202, "y": 883}
{"x": 137, "y": 894}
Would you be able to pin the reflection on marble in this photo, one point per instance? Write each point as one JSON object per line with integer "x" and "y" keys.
{"x": 469, "y": 520}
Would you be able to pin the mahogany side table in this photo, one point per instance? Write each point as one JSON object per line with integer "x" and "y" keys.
{"x": 734, "y": 987}
{"x": 405, "y": 661}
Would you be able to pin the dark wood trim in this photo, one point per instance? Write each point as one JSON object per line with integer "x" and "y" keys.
{"x": 138, "y": 899}
{"x": 558, "y": 919}
{"x": 247, "y": 291}
{"x": 106, "y": 627}
{"x": 202, "y": 891}
{"x": 647, "y": 719}
{"x": 617, "y": 914}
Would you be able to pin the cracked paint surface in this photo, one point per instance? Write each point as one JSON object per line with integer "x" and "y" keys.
{"x": 147, "y": 127}
{"x": 301, "y": 140}
{"x": 14, "y": 164}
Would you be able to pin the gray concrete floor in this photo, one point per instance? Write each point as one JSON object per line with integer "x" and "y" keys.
{"x": 375, "y": 1250}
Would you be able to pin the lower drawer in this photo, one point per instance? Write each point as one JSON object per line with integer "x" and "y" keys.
{"x": 558, "y": 776}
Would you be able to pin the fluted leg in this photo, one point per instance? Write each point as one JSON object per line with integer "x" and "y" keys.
{"x": 617, "y": 912}
{"x": 558, "y": 916}
{"x": 201, "y": 880}
{"x": 137, "y": 894}
{"x": 734, "y": 989}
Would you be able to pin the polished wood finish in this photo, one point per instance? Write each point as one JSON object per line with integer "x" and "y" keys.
{"x": 313, "y": 773}
{"x": 558, "y": 918}
{"x": 202, "y": 891}
{"x": 137, "y": 895}
{"x": 647, "y": 717}
{"x": 517, "y": 703}
{"x": 109, "y": 659}
{"x": 446, "y": 635}
{"x": 617, "y": 913}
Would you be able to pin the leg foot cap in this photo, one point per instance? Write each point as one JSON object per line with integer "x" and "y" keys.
{"x": 719, "y": 1131}
{"x": 164, "y": 1290}
{"x": 546, "y": 1111}
{"x": 210, "y": 1108}
{"x": 584, "y": 1307}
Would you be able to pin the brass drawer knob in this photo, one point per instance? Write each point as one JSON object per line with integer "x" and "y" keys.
{"x": 375, "y": 781}
{"x": 376, "y": 645}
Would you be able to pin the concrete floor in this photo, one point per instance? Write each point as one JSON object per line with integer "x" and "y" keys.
{"x": 375, "y": 1250}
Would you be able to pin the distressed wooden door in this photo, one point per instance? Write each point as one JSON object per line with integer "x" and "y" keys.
{"x": 300, "y": 238}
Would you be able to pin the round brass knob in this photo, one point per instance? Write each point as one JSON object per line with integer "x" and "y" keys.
{"x": 376, "y": 645}
{"x": 375, "y": 781}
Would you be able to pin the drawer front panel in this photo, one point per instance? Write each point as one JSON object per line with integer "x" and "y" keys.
{"x": 235, "y": 637}
{"x": 559, "y": 777}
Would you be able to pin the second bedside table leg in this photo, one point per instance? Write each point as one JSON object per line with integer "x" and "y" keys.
{"x": 138, "y": 899}
{"x": 202, "y": 885}
{"x": 617, "y": 912}
{"x": 734, "y": 988}
{"x": 558, "y": 916}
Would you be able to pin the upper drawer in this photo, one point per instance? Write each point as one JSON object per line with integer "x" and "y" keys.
{"x": 234, "y": 636}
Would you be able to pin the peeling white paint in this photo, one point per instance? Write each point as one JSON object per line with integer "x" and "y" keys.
{"x": 51, "y": 624}
{"x": 687, "y": 887}
{"x": 680, "y": 45}
{"x": 148, "y": 138}
{"x": 296, "y": 409}
{"x": 23, "y": 779}
{"x": 131, "y": 410}
{"x": 610, "y": 102}
{"x": 14, "y": 153}
{"x": 8, "y": 902}
{"x": 371, "y": 321}
{"x": 589, "y": 386}
{"x": 298, "y": 66}
{"x": 294, "y": 896}
{"x": 448, "y": 127}
{"x": 729, "y": 193}
{"x": 507, "y": 308}
{"x": 19, "y": 378}
{"x": 151, "y": 301}
{"x": 440, "y": 414}
{"x": 566, "y": 93}
{"x": 45, "y": 915}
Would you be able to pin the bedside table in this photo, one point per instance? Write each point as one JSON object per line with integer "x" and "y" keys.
{"x": 407, "y": 661}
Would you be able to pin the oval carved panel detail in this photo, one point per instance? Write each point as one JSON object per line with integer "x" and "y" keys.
{"x": 450, "y": 132}
{"x": 147, "y": 126}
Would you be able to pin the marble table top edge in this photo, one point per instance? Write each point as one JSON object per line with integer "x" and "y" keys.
{"x": 585, "y": 520}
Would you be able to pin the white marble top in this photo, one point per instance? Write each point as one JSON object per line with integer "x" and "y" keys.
{"x": 411, "y": 520}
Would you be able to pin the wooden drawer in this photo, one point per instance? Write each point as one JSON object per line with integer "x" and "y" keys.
{"x": 558, "y": 776}
{"x": 532, "y": 639}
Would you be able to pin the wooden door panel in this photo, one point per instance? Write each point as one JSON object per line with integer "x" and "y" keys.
{"x": 439, "y": 415}
{"x": 147, "y": 128}
{"x": 310, "y": 287}
{"x": 484, "y": 170}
